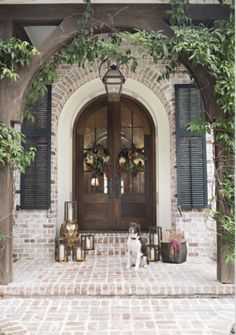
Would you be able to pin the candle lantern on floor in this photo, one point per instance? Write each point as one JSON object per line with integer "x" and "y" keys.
{"x": 153, "y": 253}
{"x": 87, "y": 241}
{"x": 67, "y": 243}
{"x": 155, "y": 237}
{"x": 79, "y": 253}
{"x": 69, "y": 229}
{"x": 60, "y": 250}
{"x": 70, "y": 212}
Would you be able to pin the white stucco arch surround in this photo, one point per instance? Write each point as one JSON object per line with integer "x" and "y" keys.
{"x": 153, "y": 104}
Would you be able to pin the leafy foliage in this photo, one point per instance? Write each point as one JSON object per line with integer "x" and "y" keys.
{"x": 14, "y": 54}
{"x": 177, "y": 14}
{"x": 2, "y": 236}
{"x": 12, "y": 150}
{"x": 225, "y": 217}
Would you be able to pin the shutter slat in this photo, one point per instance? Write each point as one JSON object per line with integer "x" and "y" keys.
{"x": 35, "y": 183}
{"x": 191, "y": 149}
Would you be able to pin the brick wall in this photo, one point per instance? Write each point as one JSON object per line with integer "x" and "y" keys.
{"x": 34, "y": 231}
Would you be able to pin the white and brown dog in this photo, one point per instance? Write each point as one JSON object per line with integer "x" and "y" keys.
{"x": 137, "y": 249}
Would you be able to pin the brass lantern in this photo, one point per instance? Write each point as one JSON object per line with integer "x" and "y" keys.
{"x": 113, "y": 81}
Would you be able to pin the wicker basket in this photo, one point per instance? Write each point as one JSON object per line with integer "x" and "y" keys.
{"x": 177, "y": 257}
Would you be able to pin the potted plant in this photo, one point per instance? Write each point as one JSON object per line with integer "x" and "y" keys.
{"x": 173, "y": 247}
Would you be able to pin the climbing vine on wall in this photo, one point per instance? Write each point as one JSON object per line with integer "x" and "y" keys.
{"x": 12, "y": 149}
{"x": 14, "y": 54}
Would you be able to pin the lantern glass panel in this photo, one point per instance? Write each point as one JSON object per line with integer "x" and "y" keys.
{"x": 87, "y": 242}
{"x": 79, "y": 254}
{"x": 113, "y": 92}
{"x": 70, "y": 212}
{"x": 60, "y": 250}
{"x": 155, "y": 235}
{"x": 153, "y": 253}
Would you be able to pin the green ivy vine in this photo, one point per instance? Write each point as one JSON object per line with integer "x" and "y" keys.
{"x": 14, "y": 54}
{"x": 12, "y": 149}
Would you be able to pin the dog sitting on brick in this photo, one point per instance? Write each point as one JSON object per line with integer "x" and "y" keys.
{"x": 137, "y": 249}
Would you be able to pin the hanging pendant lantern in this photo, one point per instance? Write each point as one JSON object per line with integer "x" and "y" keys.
{"x": 113, "y": 81}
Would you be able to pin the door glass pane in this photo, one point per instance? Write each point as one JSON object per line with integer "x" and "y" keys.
{"x": 126, "y": 137}
{"x": 95, "y": 184}
{"x": 126, "y": 117}
{"x": 138, "y": 137}
{"x": 132, "y": 183}
{"x": 138, "y": 120}
{"x": 131, "y": 157}
{"x": 95, "y": 146}
{"x": 89, "y": 137}
{"x": 101, "y": 136}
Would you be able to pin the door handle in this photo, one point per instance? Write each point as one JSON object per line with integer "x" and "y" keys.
{"x": 109, "y": 188}
{"x": 118, "y": 187}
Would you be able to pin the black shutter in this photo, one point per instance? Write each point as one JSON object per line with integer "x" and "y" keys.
{"x": 35, "y": 183}
{"x": 190, "y": 149}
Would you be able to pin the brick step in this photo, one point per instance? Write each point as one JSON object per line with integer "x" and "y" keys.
{"x": 101, "y": 250}
{"x": 108, "y": 276}
{"x": 111, "y": 244}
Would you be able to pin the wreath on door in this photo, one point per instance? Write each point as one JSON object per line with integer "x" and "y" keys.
{"x": 97, "y": 160}
{"x": 132, "y": 160}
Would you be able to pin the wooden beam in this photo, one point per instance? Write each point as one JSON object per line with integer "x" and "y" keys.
{"x": 50, "y": 12}
{"x": 6, "y": 28}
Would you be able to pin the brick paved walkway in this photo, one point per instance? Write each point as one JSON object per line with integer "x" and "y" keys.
{"x": 116, "y": 316}
{"x": 100, "y": 296}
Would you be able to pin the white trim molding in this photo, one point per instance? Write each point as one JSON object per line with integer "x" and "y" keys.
{"x": 153, "y": 104}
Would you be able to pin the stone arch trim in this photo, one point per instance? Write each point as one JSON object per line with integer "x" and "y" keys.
{"x": 73, "y": 78}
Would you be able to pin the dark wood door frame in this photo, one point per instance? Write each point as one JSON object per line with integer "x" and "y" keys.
{"x": 150, "y": 192}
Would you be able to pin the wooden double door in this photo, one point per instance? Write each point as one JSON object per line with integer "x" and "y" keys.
{"x": 109, "y": 201}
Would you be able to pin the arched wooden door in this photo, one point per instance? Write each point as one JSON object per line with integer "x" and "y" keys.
{"x": 109, "y": 201}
